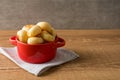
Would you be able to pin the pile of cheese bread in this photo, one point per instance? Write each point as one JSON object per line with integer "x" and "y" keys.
{"x": 40, "y": 33}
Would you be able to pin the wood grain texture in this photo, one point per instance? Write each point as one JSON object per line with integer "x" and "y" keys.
{"x": 99, "y": 52}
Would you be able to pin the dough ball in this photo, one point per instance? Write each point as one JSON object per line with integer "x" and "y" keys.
{"x": 47, "y": 37}
{"x": 22, "y": 36}
{"x": 35, "y": 40}
{"x": 34, "y": 31}
{"x": 27, "y": 27}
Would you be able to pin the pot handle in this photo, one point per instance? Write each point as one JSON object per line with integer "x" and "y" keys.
{"x": 13, "y": 40}
{"x": 60, "y": 42}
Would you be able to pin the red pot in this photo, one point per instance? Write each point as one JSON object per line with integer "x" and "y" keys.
{"x": 37, "y": 53}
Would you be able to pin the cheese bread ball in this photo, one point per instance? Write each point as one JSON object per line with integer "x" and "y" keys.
{"x": 22, "y": 36}
{"x": 47, "y": 37}
{"x": 34, "y": 31}
{"x": 53, "y": 32}
{"x": 27, "y": 27}
{"x": 35, "y": 40}
{"x": 45, "y": 26}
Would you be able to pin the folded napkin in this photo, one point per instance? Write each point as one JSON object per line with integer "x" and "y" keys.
{"x": 62, "y": 56}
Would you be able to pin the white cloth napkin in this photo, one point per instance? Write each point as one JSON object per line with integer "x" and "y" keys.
{"x": 62, "y": 56}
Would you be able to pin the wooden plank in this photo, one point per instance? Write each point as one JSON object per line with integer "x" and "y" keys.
{"x": 99, "y": 52}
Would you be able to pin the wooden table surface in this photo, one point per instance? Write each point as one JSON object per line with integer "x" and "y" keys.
{"x": 99, "y": 59}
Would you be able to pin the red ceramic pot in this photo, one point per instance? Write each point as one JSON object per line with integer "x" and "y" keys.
{"x": 37, "y": 53}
